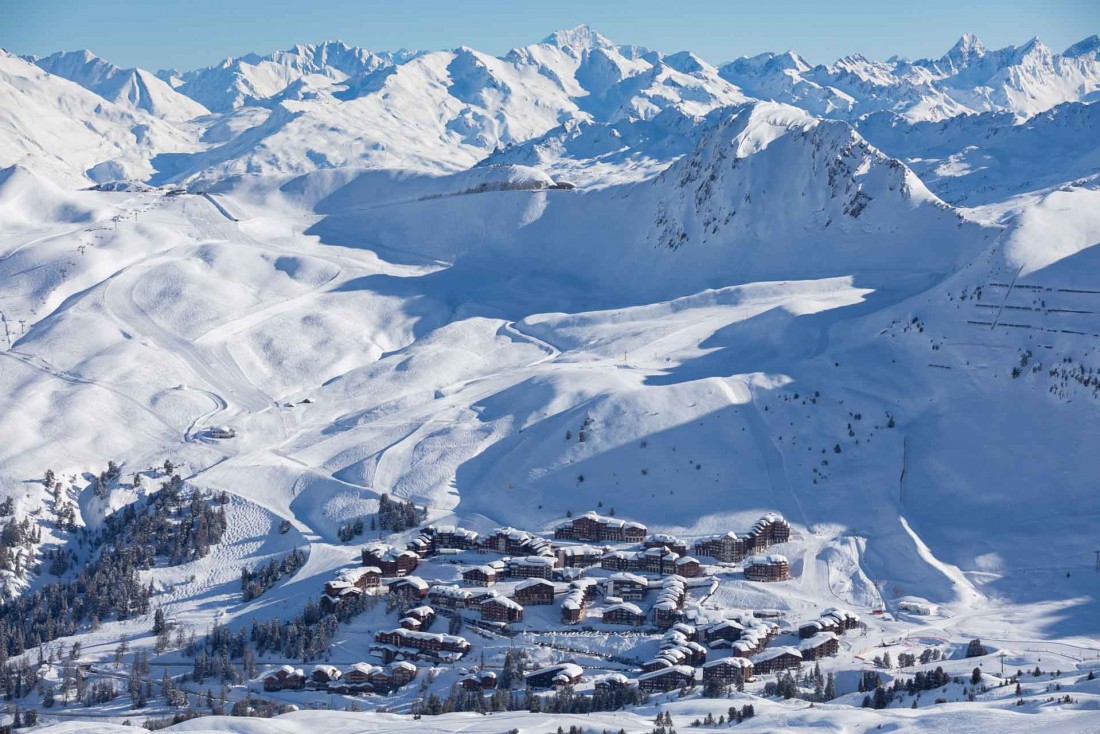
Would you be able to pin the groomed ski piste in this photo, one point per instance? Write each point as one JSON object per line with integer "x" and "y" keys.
{"x": 769, "y": 314}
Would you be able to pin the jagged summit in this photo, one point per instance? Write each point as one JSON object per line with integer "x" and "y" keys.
{"x": 579, "y": 38}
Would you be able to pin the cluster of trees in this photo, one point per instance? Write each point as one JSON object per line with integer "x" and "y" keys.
{"x": 106, "y": 479}
{"x": 353, "y": 529}
{"x": 563, "y": 701}
{"x": 171, "y": 524}
{"x": 398, "y": 516}
{"x": 881, "y": 696}
{"x": 736, "y": 716}
{"x": 17, "y": 541}
{"x": 174, "y": 523}
{"x": 787, "y": 686}
{"x": 975, "y": 649}
{"x": 254, "y": 583}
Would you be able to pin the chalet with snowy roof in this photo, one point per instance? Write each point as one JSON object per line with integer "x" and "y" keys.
{"x": 664, "y": 540}
{"x": 450, "y": 596}
{"x": 659, "y": 560}
{"x": 322, "y": 675}
{"x": 515, "y": 542}
{"x": 667, "y": 679}
{"x": 534, "y": 592}
{"x": 441, "y": 646}
{"x": 612, "y": 682}
{"x": 358, "y": 674}
{"x": 337, "y": 595}
{"x": 670, "y": 599}
{"x": 368, "y": 577}
{"x": 837, "y": 621}
{"x": 478, "y": 681}
{"x": 389, "y": 560}
{"x": 480, "y": 576}
{"x": 450, "y": 537}
{"x": 728, "y": 671}
{"x": 772, "y": 567}
{"x": 421, "y": 545}
{"x": 580, "y": 556}
{"x": 688, "y": 567}
{"x": 727, "y": 548}
{"x": 574, "y": 607}
{"x": 593, "y": 528}
{"x": 772, "y": 528}
{"x": 820, "y": 645}
{"x": 776, "y": 658}
{"x": 554, "y": 676}
{"x": 624, "y": 613}
{"x": 726, "y": 629}
{"x": 526, "y": 567}
{"x": 412, "y": 588}
{"x": 590, "y": 587}
{"x": 628, "y": 586}
{"x": 501, "y": 609}
{"x": 284, "y": 678}
{"x": 619, "y": 561}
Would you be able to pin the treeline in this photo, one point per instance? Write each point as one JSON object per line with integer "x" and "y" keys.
{"x": 254, "y": 583}
{"x": 562, "y": 701}
{"x": 171, "y": 524}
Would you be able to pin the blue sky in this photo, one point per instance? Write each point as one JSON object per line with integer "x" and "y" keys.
{"x": 168, "y": 33}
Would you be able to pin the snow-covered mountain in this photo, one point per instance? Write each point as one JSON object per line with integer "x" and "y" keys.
{"x": 251, "y": 79}
{"x": 581, "y": 275}
{"x": 132, "y": 88}
{"x": 57, "y": 128}
{"x": 1022, "y": 80}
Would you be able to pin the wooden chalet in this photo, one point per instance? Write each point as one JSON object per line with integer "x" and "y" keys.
{"x": 389, "y": 560}
{"x": 821, "y": 645}
{"x": 727, "y": 548}
{"x": 480, "y": 576}
{"x": 728, "y": 671}
{"x": 772, "y": 567}
{"x": 534, "y": 592}
{"x": 593, "y": 528}
{"x": 667, "y": 679}
{"x": 501, "y": 609}
{"x": 284, "y": 678}
{"x": 574, "y": 607}
{"x": 554, "y": 676}
{"x": 776, "y": 658}
{"x": 625, "y": 613}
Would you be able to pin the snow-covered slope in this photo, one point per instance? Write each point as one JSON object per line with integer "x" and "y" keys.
{"x": 133, "y": 88}
{"x": 374, "y": 273}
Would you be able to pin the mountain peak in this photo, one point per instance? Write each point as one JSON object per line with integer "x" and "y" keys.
{"x": 580, "y": 38}
{"x": 1084, "y": 47}
{"x": 968, "y": 48}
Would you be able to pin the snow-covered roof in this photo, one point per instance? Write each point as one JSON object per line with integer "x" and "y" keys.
{"x": 732, "y": 662}
{"x": 686, "y": 670}
{"x": 505, "y": 602}
{"x": 532, "y": 583}
{"x": 817, "y": 640}
{"x": 570, "y": 669}
{"x": 774, "y": 652}
{"x": 624, "y": 606}
{"x": 532, "y": 561}
{"x": 627, "y": 577}
{"x": 766, "y": 560}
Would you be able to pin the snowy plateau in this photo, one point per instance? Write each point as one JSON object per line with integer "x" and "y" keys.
{"x": 299, "y": 344}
